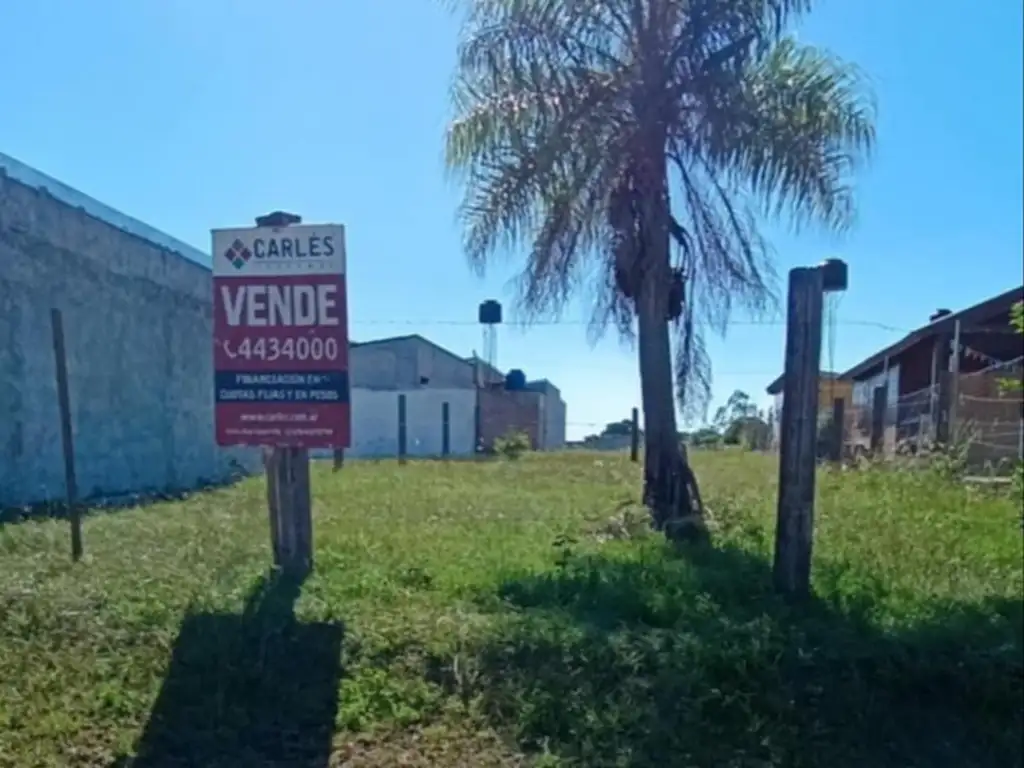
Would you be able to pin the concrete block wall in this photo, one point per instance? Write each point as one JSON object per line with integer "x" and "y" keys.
{"x": 553, "y": 412}
{"x": 137, "y": 319}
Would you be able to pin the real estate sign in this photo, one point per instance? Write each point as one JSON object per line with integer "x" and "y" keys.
{"x": 280, "y": 327}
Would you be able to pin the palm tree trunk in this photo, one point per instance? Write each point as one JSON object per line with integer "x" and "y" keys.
{"x": 668, "y": 479}
{"x": 670, "y": 487}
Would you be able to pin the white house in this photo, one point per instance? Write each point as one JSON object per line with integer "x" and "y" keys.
{"x": 434, "y": 393}
{"x": 412, "y": 380}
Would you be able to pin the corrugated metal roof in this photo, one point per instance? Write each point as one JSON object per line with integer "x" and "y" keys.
{"x": 776, "y": 386}
{"x": 30, "y": 177}
{"x": 944, "y": 324}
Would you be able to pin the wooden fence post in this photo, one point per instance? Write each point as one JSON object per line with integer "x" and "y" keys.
{"x": 879, "y": 407}
{"x": 446, "y": 429}
{"x": 66, "y": 434}
{"x": 799, "y": 424}
{"x": 943, "y": 397}
{"x": 954, "y": 386}
{"x": 838, "y": 428}
{"x": 402, "y": 445}
{"x": 634, "y": 436}
{"x": 289, "y": 499}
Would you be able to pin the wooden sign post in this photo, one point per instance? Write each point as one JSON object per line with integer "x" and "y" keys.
{"x": 799, "y": 424}
{"x": 281, "y": 361}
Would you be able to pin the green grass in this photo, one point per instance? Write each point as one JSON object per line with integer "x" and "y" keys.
{"x": 513, "y": 613}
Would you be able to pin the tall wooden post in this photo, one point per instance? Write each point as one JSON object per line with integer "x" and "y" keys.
{"x": 66, "y": 434}
{"x": 634, "y": 436}
{"x": 799, "y": 423}
{"x": 289, "y": 499}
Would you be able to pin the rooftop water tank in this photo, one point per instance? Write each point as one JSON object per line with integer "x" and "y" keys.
{"x": 490, "y": 312}
{"x": 515, "y": 380}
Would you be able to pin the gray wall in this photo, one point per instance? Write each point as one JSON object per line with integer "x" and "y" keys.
{"x": 401, "y": 362}
{"x": 553, "y": 428}
{"x": 137, "y": 320}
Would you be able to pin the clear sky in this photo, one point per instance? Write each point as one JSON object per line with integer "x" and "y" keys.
{"x": 194, "y": 114}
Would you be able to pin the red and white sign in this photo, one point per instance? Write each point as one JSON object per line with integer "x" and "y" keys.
{"x": 280, "y": 336}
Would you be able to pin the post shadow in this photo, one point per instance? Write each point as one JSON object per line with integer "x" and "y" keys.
{"x": 693, "y": 660}
{"x": 256, "y": 689}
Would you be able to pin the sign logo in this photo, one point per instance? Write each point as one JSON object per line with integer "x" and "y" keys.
{"x": 238, "y": 254}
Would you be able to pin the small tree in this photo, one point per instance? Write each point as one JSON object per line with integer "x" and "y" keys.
{"x": 624, "y": 427}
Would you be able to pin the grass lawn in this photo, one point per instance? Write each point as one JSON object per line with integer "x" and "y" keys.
{"x": 511, "y": 614}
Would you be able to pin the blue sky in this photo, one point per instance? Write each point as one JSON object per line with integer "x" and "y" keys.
{"x": 191, "y": 115}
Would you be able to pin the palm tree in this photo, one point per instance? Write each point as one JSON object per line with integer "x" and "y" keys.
{"x": 632, "y": 147}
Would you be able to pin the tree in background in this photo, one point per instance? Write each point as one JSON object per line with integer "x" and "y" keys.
{"x": 705, "y": 437}
{"x": 619, "y": 429}
{"x": 624, "y": 427}
{"x": 630, "y": 146}
{"x": 741, "y": 422}
{"x": 738, "y": 406}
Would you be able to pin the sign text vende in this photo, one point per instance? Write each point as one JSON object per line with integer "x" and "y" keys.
{"x": 275, "y": 304}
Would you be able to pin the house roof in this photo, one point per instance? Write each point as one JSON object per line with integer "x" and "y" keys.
{"x": 470, "y": 361}
{"x": 776, "y": 386}
{"x": 945, "y": 324}
{"x": 407, "y": 337}
{"x": 493, "y": 372}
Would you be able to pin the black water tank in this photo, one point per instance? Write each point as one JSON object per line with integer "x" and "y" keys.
{"x": 938, "y": 314}
{"x": 490, "y": 312}
{"x": 515, "y": 380}
{"x": 835, "y": 275}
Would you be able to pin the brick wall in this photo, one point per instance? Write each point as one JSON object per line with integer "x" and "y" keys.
{"x": 502, "y": 412}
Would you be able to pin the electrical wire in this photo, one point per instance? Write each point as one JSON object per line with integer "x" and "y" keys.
{"x": 525, "y": 324}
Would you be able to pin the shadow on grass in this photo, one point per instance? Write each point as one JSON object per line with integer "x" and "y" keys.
{"x": 689, "y": 660}
{"x": 256, "y": 690}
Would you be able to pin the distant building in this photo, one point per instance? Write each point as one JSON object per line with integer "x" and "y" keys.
{"x": 409, "y": 389}
{"x": 831, "y": 387}
{"x": 909, "y": 373}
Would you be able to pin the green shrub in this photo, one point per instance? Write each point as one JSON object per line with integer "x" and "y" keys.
{"x": 512, "y": 445}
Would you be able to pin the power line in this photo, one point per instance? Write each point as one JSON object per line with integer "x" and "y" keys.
{"x": 545, "y": 323}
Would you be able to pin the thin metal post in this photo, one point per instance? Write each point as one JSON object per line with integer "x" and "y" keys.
{"x": 66, "y": 433}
